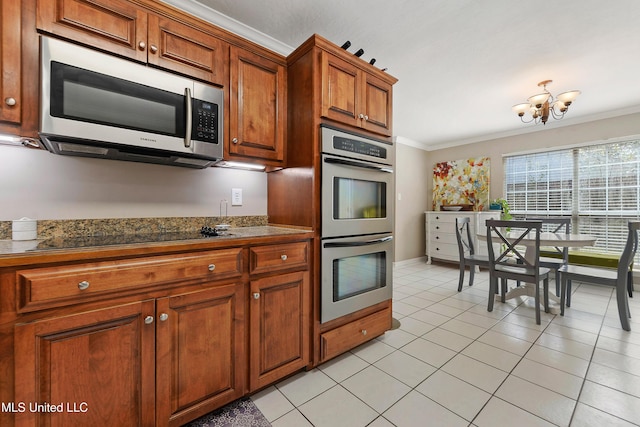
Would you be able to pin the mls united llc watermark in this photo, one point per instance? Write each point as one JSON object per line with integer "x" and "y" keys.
{"x": 67, "y": 407}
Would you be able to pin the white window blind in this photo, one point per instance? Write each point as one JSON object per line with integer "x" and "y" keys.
{"x": 598, "y": 186}
{"x": 608, "y": 192}
{"x": 539, "y": 184}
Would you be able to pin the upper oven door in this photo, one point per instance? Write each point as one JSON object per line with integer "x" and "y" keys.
{"x": 357, "y": 197}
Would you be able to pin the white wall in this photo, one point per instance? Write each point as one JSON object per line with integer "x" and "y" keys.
{"x": 41, "y": 185}
{"x": 412, "y": 176}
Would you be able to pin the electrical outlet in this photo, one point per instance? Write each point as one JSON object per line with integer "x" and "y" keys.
{"x": 236, "y": 197}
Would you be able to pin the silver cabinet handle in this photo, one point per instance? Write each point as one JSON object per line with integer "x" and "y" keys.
{"x": 10, "y": 101}
{"x": 148, "y": 320}
{"x": 364, "y": 332}
{"x": 366, "y": 117}
{"x": 361, "y": 116}
{"x": 283, "y": 257}
{"x": 163, "y": 317}
{"x": 83, "y": 285}
{"x": 234, "y": 140}
{"x": 212, "y": 267}
{"x": 142, "y": 45}
{"x": 153, "y": 48}
{"x": 256, "y": 295}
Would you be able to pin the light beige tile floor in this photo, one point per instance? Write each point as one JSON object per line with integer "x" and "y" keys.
{"x": 452, "y": 363}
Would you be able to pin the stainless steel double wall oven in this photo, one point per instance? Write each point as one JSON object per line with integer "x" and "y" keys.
{"x": 357, "y": 222}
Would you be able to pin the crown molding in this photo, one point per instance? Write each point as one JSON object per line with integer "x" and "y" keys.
{"x": 230, "y": 24}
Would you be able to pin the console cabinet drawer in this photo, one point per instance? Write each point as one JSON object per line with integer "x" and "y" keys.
{"x": 55, "y": 286}
{"x": 346, "y": 337}
{"x": 267, "y": 259}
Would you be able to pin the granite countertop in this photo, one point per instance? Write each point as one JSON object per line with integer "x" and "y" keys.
{"x": 9, "y": 248}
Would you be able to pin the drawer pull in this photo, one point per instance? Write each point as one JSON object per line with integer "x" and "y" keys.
{"x": 163, "y": 317}
{"x": 10, "y": 101}
{"x": 256, "y": 295}
{"x": 148, "y": 320}
{"x": 364, "y": 332}
{"x": 83, "y": 285}
{"x": 142, "y": 45}
{"x": 283, "y": 257}
{"x": 212, "y": 267}
{"x": 153, "y": 48}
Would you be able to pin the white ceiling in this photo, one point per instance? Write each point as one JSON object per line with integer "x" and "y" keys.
{"x": 462, "y": 64}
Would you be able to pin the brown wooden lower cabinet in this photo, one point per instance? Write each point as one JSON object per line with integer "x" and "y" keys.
{"x": 200, "y": 352}
{"x": 100, "y": 363}
{"x": 279, "y": 331}
{"x": 158, "y": 341}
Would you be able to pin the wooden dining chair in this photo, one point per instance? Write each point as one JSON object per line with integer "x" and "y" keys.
{"x": 606, "y": 276}
{"x": 558, "y": 256}
{"x": 511, "y": 263}
{"x": 466, "y": 250}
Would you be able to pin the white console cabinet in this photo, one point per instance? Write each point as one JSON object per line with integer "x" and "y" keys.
{"x": 440, "y": 227}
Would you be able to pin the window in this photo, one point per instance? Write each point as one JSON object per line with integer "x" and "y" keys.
{"x": 597, "y": 185}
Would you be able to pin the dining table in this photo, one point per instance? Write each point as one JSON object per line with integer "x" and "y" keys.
{"x": 547, "y": 239}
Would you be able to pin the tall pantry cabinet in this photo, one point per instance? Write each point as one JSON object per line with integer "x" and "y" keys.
{"x": 328, "y": 85}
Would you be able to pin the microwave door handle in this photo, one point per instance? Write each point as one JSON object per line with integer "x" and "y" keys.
{"x": 354, "y": 244}
{"x": 187, "y": 126}
{"x": 357, "y": 164}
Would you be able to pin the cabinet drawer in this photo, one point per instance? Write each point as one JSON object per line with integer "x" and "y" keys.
{"x": 444, "y": 250}
{"x": 346, "y": 337}
{"x": 266, "y": 259}
{"x": 55, "y": 286}
{"x": 448, "y": 238}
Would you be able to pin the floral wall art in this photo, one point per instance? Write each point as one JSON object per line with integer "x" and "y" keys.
{"x": 462, "y": 183}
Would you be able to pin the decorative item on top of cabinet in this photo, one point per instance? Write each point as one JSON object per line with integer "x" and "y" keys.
{"x": 352, "y": 96}
{"x": 124, "y": 28}
{"x": 440, "y": 227}
{"x": 257, "y": 102}
{"x": 10, "y": 66}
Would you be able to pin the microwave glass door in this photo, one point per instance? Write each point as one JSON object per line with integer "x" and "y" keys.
{"x": 88, "y": 96}
{"x": 359, "y": 198}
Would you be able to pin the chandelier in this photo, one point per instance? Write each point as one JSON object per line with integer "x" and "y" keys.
{"x": 543, "y": 105}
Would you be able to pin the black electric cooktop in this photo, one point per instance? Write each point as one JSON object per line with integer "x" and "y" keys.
{"x": 122, "y": 239}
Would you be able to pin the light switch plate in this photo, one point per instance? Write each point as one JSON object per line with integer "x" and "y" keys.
{"x": 236, "y": 197}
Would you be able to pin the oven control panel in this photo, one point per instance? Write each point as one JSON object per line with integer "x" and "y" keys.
{"x": 359, "y": 147}
{"x": 356, "y": 146}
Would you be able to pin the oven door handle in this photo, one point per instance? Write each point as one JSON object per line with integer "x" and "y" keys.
{"x": 354, "y": 244}
{"x": 345, "y": 162}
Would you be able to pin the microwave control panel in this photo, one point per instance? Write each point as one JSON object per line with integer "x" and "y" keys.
{"x": 205, "y": 121}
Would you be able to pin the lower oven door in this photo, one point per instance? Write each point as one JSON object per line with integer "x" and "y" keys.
{"x": 356, "y": 274}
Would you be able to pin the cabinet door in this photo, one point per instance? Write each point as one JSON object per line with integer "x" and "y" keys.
{"x": 116, "y": 26}
{"x": 10, "y": 76}
{"x": 377, "y": 103}
{"x": 97, "y": 364}
{"x": 201, "y": 356}
{"x": 257, "y": 106}
{"x": 184, "y": 49}
{"x": 340, "y": 90}
{"x": 279, "y": 328}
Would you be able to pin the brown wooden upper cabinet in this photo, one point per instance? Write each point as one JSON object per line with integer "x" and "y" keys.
{"x": 10, "y": 69}
{"x": 257, "y": 107}
{"x": 121, "y": 27}
{"x": 354, "y": 97}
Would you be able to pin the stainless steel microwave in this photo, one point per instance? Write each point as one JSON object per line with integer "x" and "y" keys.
{"x": 97, "y": 105}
